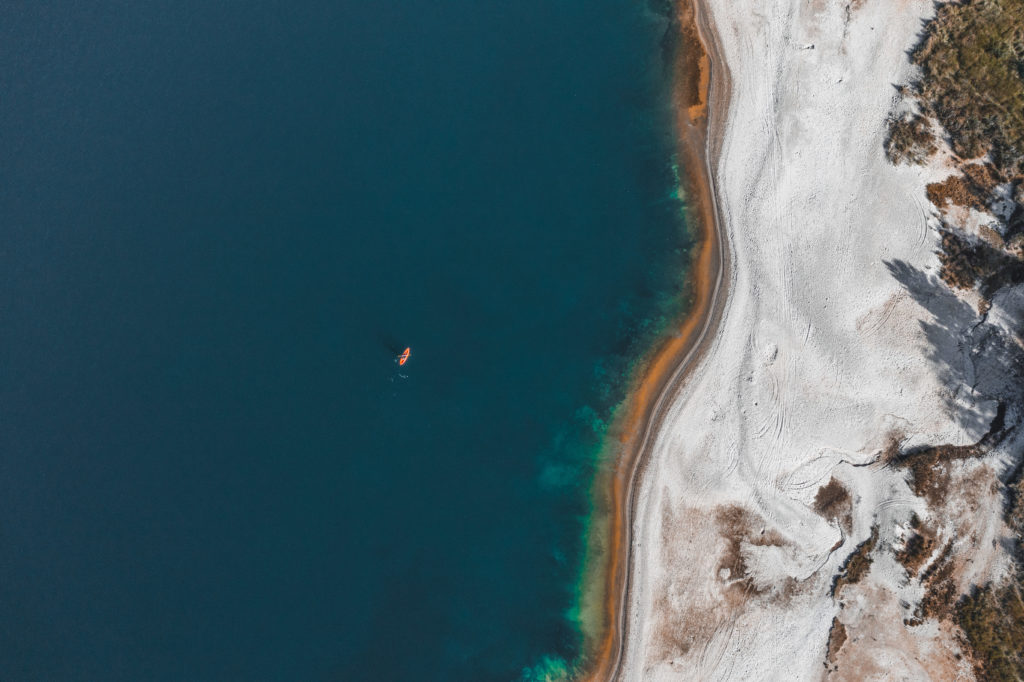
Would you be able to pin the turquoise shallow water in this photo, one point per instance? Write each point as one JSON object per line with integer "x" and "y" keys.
{"x": 221, "y": 221}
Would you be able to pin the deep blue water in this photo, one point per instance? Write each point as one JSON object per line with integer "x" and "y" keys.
{"x": 219, "y": 222}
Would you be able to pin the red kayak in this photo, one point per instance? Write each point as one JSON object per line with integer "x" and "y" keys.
{"x": 404, "y": 357}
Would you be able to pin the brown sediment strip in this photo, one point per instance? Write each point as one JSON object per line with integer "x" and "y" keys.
{"x": 700, "y": 99}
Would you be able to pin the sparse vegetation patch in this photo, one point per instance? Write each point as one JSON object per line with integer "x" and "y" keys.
{"x": 739, "y": 526}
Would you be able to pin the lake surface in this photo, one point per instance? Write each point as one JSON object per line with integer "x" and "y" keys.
{"x": 219, "y": 223}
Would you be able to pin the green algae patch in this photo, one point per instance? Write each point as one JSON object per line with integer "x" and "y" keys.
{"x": 549, "y": 669}
{"x": 588, "y": 610}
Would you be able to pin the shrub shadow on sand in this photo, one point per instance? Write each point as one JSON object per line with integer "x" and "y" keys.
{"x": 975, "y": 361}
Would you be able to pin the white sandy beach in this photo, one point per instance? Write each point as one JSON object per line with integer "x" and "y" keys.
{"x": 834, "y": 340}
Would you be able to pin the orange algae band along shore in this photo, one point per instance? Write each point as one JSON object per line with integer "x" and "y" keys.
{"x": 609, "y": 548}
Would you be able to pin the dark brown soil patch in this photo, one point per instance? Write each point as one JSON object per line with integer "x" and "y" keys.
{"x": 833, "y": 500}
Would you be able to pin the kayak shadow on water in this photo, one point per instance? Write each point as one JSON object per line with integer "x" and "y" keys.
{"x": 395, "y": 350}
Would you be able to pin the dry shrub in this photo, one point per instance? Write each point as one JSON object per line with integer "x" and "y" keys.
{"x": 857, "y": 564}
{"x": 972, "y": 79}
{"x": 1016, "y": 245}
{"x": 836, "y": 639}
{"x": 918, "y": 548}
{"x": 962, "y": 262}
{"x": 983, "y": 178}
{"x": 910, "y": 140}
{"x": 991, "y": 236}
{"x": 929, "y": 476}
{"x": 972, "y": 82}
{"x": 973, "y": 189}
{"x": 954, "y": 190}
{"x": 966, "y": 263}
{"x": 993, "y": 621}
{"x": 992, "y": 617}
{"x": 1015, "y": 513}
{"x": 891, "y": 453}
{"x": 971, "y": 57}
{"x": 940, "y": 592}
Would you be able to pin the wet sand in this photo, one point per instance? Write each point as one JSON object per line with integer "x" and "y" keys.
{"x": 700, "y": 99}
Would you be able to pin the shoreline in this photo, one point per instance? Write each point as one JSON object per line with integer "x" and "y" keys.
{"x": 700, "y": 97}
{"x": 838, "y": 351}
